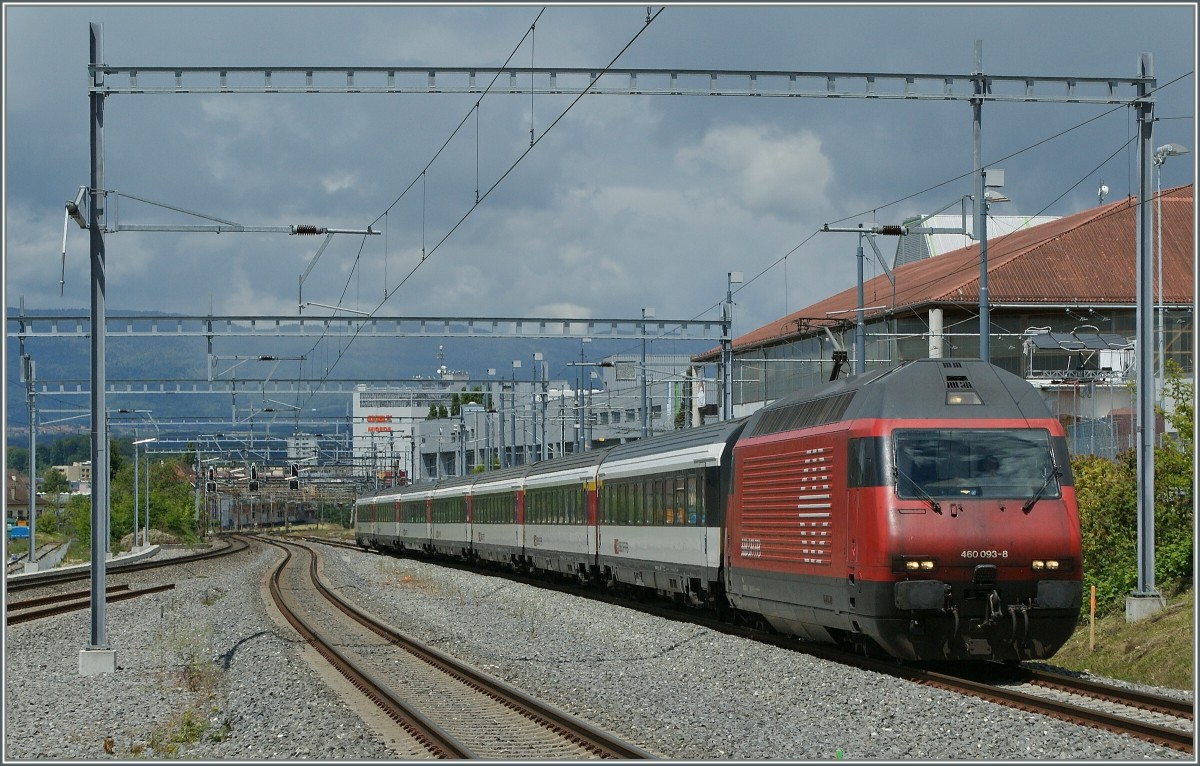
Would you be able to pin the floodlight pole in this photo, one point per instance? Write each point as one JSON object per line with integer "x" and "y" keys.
{"x": 731, "y": 278}
{"x": 985, "y": 322}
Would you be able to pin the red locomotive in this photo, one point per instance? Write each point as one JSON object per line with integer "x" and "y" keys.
{"x": 924, "y": 511}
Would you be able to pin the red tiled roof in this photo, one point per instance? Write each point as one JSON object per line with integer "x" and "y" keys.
{"x": 1086, "y": 258}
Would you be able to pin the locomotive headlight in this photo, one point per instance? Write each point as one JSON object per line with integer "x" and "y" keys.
{"x": 962, "y": 397}
{"x": 905, "y": 564}
{"x": 1041, "y": 564}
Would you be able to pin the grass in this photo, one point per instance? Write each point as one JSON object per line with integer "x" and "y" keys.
{"x": 1158, "y": 650}
{"x": 186, "y": 647}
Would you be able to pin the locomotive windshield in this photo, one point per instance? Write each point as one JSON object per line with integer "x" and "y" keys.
{"x": 955, "y": 463}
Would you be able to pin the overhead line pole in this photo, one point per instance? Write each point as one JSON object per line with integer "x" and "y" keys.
{"x": 1146, "y": 599}
{"x": 97, "y": 657}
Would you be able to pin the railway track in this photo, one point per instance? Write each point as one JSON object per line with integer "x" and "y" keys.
{"x": 1086, "y": 703}
{"x": 49, "y": 606}
{"x": 1154, "y": 718}
{"x": 17, "y": 562}
{"x": 451, "y": 709}
{"x": 76, "y": 573}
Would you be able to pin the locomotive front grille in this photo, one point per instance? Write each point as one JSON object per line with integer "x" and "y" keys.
{"x": 984, "y": 574}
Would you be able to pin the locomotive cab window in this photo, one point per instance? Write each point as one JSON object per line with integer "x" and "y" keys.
{"x": 975, "y": 463}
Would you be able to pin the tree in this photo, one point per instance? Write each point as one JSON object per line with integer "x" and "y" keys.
{"x": 1173, "y": 485}
{"x": 55, "y": 484}
{"x": 18, "y": 459}
{"x": 115, "y": 460}
{"x": 1106, "y": 491}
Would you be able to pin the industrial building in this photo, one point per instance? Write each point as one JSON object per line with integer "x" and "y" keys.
{"x": 500, "y": 422}
{"x": 1061, "y": 297}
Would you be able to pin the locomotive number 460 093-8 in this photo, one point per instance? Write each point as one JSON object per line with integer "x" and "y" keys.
{"x": 984, "y": 554}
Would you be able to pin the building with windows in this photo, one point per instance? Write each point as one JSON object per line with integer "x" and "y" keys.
{"x": 1062, "y": 310}
{"x": 498, "y": 423}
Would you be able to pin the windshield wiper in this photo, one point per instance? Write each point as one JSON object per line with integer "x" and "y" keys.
{"x": 921, "y": 490}
{"x": 1038, "y": 495}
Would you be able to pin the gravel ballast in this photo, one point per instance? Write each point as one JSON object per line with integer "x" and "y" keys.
{"x": 205, "y": 672}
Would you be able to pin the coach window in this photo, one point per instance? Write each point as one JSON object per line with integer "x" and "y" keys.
{"x": 693, "y": 512}
{"x": 669, "y": 501}
{"x": 635, "y": 502}
{"x": 648, "y": 503}
{"x": 660, "y": 510}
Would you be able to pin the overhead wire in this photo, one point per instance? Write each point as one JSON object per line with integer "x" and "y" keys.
{"x": 534, "y": 141}
{"x": 1122, "y": 106}
{"x": 421, "y": 177}
{"x": 425, "y": 256}
{"x": 873, "y": 211}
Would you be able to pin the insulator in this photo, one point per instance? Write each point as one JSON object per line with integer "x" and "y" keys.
{"x": 305, "y": 228}
{"x": 894, "y": 231}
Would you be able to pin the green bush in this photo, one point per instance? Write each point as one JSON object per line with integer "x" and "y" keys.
{"x": 1107, "y": 495}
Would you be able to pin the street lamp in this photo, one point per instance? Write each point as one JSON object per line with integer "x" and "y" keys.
{"x": 1160, "y": 156}
{"x": 579, "y": 396}
{"x": 516, "y": 365}
{"x": 647, "y": 313}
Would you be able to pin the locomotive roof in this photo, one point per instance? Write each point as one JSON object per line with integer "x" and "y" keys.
{"x": 914, "y": 389}
{"x": 686, "y": 438}
{"x": 685, "y": 449}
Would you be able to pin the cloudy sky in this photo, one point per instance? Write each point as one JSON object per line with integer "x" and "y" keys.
{"x": 625, "y": 202}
